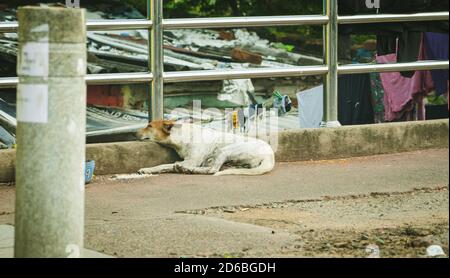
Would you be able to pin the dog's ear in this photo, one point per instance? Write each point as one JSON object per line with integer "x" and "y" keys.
{"x": 167, "y": 127}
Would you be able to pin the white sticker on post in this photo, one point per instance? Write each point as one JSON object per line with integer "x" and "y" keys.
{"x": 34, "y": 59}
{"x": 32, "y": 103}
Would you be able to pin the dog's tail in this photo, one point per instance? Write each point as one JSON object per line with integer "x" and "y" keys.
{"x": 266, "y": 166}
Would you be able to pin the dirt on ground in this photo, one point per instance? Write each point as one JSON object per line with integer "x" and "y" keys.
{"x": 401, "y": 225}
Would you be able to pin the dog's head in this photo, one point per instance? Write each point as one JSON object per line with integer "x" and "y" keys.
{"x": 158, "y": 131}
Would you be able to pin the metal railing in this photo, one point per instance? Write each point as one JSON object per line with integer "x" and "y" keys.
{"x": 330, "y": 20}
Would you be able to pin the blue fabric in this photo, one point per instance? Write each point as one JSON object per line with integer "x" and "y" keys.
{"x": 436, "y": 45}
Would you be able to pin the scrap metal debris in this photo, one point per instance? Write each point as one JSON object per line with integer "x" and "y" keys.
{"x": 127, "y": 51}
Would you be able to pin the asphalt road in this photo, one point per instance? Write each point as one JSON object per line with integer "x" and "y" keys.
{"x": 158, "y": 216}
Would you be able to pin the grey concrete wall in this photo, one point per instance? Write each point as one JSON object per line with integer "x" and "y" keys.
{"x": 298, "y": 145}
{"x": 7, "y": 165}
{"x": 128, "y": 157}
{"x": 353, "y": 141}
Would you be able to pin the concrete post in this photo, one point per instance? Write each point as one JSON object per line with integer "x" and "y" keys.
{"x": 51, "y": 113}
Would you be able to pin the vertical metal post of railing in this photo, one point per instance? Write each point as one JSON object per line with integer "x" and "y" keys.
{"x": 325, "y": 62}
{"x": 156, "y": 60}
{"x": 330, "y": 103}
{"x": 148, "y": 88}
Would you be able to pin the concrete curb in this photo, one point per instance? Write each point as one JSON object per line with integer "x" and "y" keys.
{"x": 7, "y": 165}
{"x": 298, "y": 145}
{"x": 128, "y": 157}
{"x": 354, "y": 141}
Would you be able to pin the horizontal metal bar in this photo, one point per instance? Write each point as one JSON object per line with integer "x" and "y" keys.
{"x": 118, "y": 78}
{"x": 397, "y": 67}
{"x": 187, "y": 23}
{"x": 212, "y": 75}
{"x": 186, "y": 76}
{"x": 391, "y": 18}
{"x": 235, "y": 22}
{"x": 95, "y": 25}
{"x": 9, "y": 82}
{"x": 94, "y": 79}
{"x": 8, "y": 27}
{"x": 110, "y": 25}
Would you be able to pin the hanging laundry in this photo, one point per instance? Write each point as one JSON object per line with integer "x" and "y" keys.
{"x": 437, "y": 47}
{"x": 366, "y": 54}
{"x": 377, "y": 97}
{"x": 310, "y": 107}
{"x": 402, "y": 93}
{"x": 401, "y": 38}
{"x": 355, "y": 100}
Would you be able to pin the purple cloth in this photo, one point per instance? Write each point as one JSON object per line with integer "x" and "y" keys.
{"x": 402, "y": 93}
{"x": 436, "y": 46}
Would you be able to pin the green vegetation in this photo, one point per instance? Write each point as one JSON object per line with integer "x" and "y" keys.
{"x": 283, "y": 46}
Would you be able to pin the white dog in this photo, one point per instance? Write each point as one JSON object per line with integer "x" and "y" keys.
{"x": 206, "y": 151}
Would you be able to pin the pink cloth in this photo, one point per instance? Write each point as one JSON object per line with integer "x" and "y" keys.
{"x": 401, "y": 93}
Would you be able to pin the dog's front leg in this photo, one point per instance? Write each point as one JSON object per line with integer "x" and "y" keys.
{"x": 188, "y": 168}
{"x": 166, "y": 168}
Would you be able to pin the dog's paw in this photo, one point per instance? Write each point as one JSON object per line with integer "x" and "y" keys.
{"x": 179, "y": 168}
{"x": 145, "y": 171}
{"x": 182, "y": 168}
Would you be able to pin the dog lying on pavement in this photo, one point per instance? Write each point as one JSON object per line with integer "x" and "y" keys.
{"x": 206, "y": 151}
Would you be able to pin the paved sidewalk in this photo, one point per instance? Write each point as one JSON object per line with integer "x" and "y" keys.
{"x": 139, "y": 218}
{"x": 7, "y": 245}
